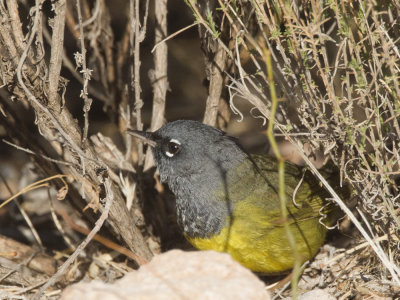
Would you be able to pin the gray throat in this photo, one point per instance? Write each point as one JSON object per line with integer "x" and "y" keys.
{"x": 203, "y": 203}
{"x": 199, "y": 212}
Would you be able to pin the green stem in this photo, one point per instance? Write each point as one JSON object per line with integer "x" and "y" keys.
{"x": 281, "y": 172}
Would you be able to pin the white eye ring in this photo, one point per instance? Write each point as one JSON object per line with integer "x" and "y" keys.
{"x": 173, "y": 147}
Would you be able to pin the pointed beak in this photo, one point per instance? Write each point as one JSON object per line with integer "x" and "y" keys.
{"x": 146, "y": 137}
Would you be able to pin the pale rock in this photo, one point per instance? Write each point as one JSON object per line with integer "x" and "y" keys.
{"x": 178, "y": 275}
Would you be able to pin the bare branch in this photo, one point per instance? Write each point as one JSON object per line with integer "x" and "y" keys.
{"x": 86, "y": 76}
{"x": 16, "y": 23}
{"x": 159, "y": 77}
{"x": 57, "y": 43}
{"x": 216, "y": 83}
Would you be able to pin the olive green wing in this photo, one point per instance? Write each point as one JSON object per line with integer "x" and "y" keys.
{"x": 259, "y": 186}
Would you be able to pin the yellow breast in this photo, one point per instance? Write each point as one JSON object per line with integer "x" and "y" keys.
{"x": 261, "y": 246}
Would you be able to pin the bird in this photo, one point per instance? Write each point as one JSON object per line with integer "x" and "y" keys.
{"x": 227, "y": 200}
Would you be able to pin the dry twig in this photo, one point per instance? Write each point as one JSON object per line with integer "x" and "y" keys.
{"x": 159, "y": 77}
{"x": 81, "y": 247}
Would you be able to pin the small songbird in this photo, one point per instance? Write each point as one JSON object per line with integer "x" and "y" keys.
{"x": 227, "y": 200}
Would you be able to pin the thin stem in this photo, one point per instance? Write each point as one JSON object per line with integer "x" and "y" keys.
{"x": 86, "y": 77}
{"x": 281, "y": 172}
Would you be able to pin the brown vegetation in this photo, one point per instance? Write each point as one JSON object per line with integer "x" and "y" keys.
{"x": 335, "y": 71}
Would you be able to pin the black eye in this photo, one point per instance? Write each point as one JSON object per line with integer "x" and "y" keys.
{"x": 173, "y": 147}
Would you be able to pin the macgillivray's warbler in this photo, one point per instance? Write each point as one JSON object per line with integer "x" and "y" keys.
{"x": 227, "y": 200}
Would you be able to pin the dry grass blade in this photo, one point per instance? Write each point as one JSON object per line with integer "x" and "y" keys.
{"x": 36, "y": 185}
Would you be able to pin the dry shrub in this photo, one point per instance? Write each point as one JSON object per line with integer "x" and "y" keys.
{"x": 336, "y": 66}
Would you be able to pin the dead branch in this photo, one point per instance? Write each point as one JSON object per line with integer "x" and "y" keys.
{"x": 159, "y": 77}
{"x": 217, "y": 68}
{"x": 57, "y": 44}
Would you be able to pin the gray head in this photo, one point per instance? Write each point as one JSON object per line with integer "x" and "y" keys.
{"x": 194, "y": 159}
{"x": 184, "y": 148}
